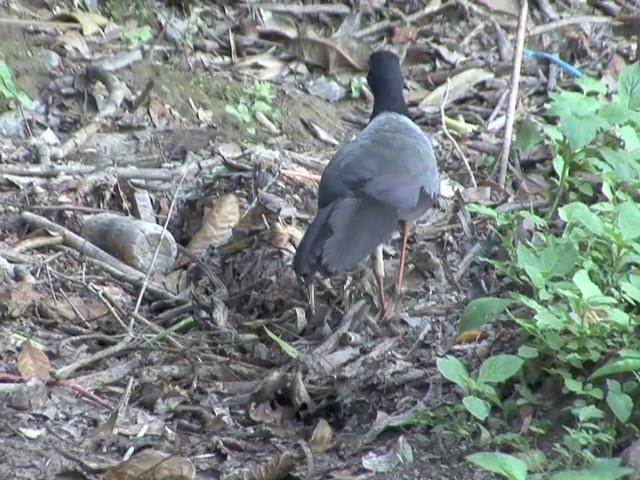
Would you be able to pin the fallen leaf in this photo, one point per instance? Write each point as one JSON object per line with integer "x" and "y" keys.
{"x": 512, "y": 7}
{"x": 460, "y": 85}
{"x": 33, "y": 362}
{"x": 153, "y": 465}
{"x": 470, "y": 336}
{"x": 72, "y": 309}
{"x": 331, "y": 54}
{"x": 90, "y": 23}
{"x": 17, "y": 299}
{"x": 217, "y": 225}
{"x": 321, "y": 437}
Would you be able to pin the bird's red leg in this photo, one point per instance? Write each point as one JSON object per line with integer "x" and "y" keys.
{"x": 378, "y": 271}
{"x": 403, "y": 251}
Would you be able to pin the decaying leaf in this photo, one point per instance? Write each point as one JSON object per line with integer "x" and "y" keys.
{"x": 33, "y": 362}
{"x": 90, "y": 23}
{"x": 273, "y": 470}
{"x": 217, "y": 224}
{"x": 71, "y": 309}
{"x": 16, "y": 300}
{"x": 285, "y": 236}
{"x": 298, "y": 393}
{"x": 331, "y": 54}
{"x": 322, "y": 435}
{"x": 460, "y": 85}
{"x": 153, "y": 465}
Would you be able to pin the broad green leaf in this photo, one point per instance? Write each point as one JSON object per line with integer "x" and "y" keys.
{"x": 620, "y": 404}
{"x": 525, "y": 351}
{"x": 528, "y": 135}
{"x": 261, "y": 106}
{"x": 8, "y": 87}
{"x": 620, "y": 365}
{"x": 284, "y": 346}
{"x": 602, "y": 469}
{"x": 453, "y": 370}
{"x": 499, "y": 368}
{"x": 578, "y": 212}
{"x": 476, "y": 407}
{"x": 590, "y": 412}
{"x": 629, "y": 221}
{"x": 591, "y": 85}
{"x": 495, "y": 462}
{"x": 559, "y": 258}
{"x": 629, "y": 86}
{"x": 587, "y": 288}
{"x": 480, "y": 311}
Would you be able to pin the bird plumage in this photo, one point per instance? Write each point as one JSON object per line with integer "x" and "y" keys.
{"x": 387, "y": 174}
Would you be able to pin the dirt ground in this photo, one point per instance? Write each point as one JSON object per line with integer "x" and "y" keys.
{"x": 191, "y": 371}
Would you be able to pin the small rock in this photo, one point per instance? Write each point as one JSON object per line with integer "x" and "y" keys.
{"x": 132, "y": 241}
{"x": 50, "y": 59}
{"x": 326, "y": 89}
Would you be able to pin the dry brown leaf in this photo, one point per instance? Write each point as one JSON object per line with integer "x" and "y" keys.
{"x": 33, "y": 362}
{"x": 253, "y": 221}
{"x": 285, "y": 236}
{"x": 17, "y": 299}
{"x": 298, "y": 393}
{"x": 276, "y": 469}
{"x": 90, "y": 23}
{"x": 217, "y": 224}
{"x": 265, "y": 413}
{"x": 331, "y": 54}
{"x": 153, "y": 465}
{"x": 321, "y": 437}
{"x": 71, "y": 309}
{"x": 460, "y": 85}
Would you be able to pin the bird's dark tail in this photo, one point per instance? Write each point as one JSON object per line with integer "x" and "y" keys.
{"x": 343, "y": 234}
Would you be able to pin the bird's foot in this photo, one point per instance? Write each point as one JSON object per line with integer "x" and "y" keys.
{"x": 384, "y": 310}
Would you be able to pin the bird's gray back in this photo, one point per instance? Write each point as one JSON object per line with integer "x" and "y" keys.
{"x": 391, "y": 160}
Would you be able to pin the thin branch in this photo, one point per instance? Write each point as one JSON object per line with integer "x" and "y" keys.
{"x": 451, "y": 139}
{"x": 513, "y": 93}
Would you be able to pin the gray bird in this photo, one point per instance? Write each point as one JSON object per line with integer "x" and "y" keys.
{"x": 386, "y": 177}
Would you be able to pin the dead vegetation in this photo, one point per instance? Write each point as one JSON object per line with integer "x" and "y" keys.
{"x": 199, "y": 353}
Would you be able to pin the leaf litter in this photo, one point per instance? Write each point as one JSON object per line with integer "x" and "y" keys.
{"x": 222, "y": 355}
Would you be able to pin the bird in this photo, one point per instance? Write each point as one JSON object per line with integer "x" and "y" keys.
{"x": 383, "y": 179}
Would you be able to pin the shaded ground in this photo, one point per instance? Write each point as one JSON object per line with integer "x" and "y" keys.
{"x": 219, "y": 391}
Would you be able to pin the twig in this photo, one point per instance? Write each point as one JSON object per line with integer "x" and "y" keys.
{"x": 414, "y": 17}
{"x": 457, "y": 148}
{"x": 513, "y": 93}
{"x": 565, "y": 22}
{"x": 65, "y": 372}
{"x": 145, "y": 282}
{"x": 123, "y": 173}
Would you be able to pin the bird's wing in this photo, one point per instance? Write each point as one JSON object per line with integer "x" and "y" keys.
{"x": 391, "y": 160}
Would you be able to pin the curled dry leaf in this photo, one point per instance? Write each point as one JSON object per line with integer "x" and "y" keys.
{"x": 217, "y": 225}
{"x": 71, "y": 309}
{"x": 153, "y": 465}
{"x": 322, "y": 435}
{"x": 285, "y": 236}
{"x": 298, "y": 393}
{"x": 16, "y": 300}
{"x": 33, "y": 362}
{"x": 460, "y": 85}
{"x": 275, "y": 469}
{"x": 90, "y": 23}
{"x": 331, "y": 53}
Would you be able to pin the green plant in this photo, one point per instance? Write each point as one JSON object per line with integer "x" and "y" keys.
{"x": 481, "y": 390}
{"x": 8, "y": 88}
{"x": 256, "y": 100}
{"x": 574, "y": 282}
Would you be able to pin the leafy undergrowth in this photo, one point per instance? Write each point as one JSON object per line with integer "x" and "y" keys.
{"x": 573, "y": 288}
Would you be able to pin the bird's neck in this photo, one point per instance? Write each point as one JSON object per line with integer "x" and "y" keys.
{"x": 390, "y": 102}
